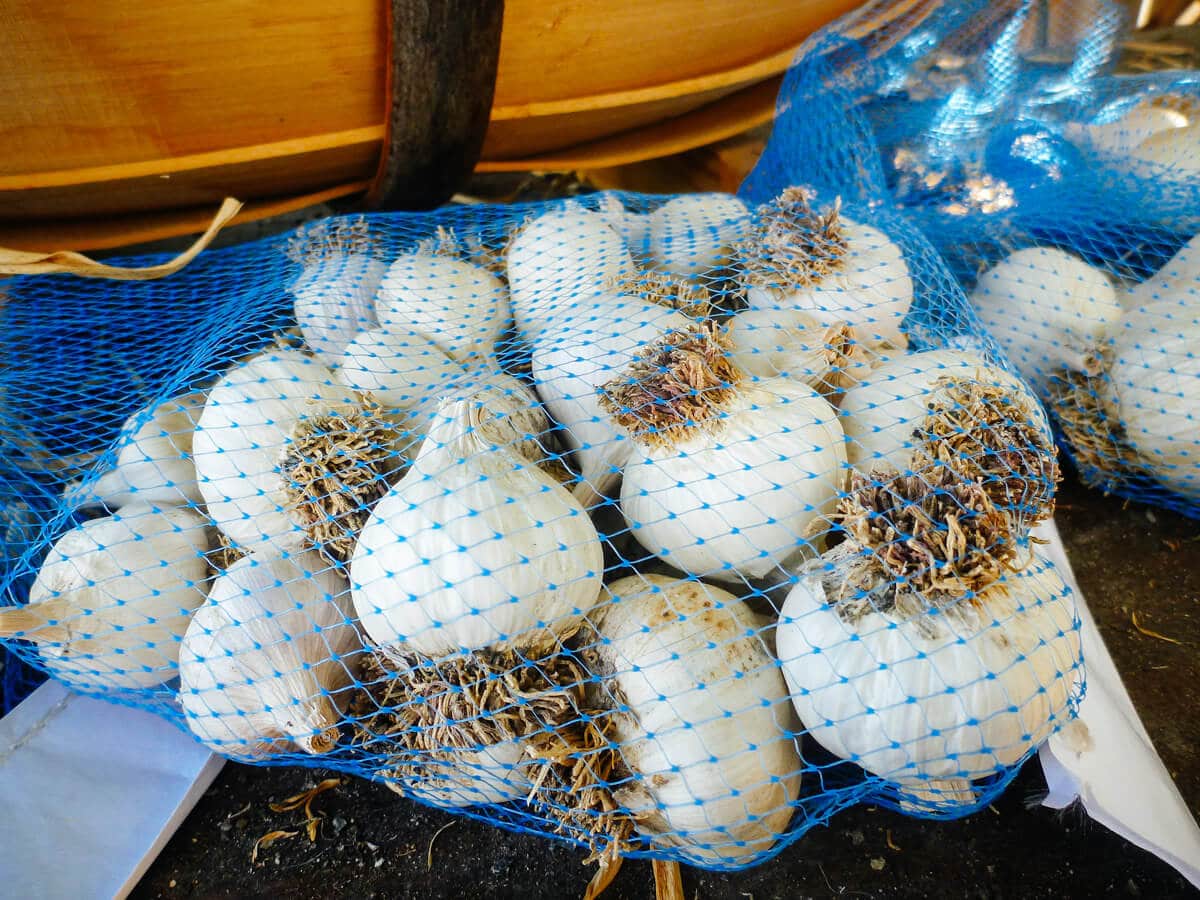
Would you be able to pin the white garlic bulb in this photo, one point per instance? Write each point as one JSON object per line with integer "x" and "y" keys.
{"x": 791, "y": 343}
{"x": 695, "y": 233}
{"x": 931, "y": 697}
{"x": 402, "y": 369}
{"x": 335, "y": 300}
{"x": 558, "y": 261}
{"x": 701, "y": 715}
{"x": 459, "y": 306}
{"x": 252, "y": 416}
{"x": 154, "y": 459}
{"x": 475, "y": 547}
{"x": 1122, "y": 136}
{"x": 727, "y": 474}
{"x": 1155, "y": 376}
{"x": 915, "y": 412}
{"x": 1178, "y": 280}
{"x": 633, "y": 227}
{"x": 1048, "y": 310}
{"x": 570, "y": 367}
{"x": 468, "y": 776}
{"x": 1173, "y": 149}
{"x": 832, "y": 267}
{"x": 268, "y": 663}
{"x": 113, "y": 598}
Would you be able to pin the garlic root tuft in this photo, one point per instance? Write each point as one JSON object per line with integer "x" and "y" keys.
{"x": 792, "y": 244}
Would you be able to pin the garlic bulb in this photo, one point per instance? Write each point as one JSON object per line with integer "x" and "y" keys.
{"x": 403, "y": 369}
{"x": 917, "y": 412}
{"x": 727, "y": 474}
{"x": 1178, "y": 280}
{"x": 256, "y": 418}
{"x": 154, "y": 462}
{"x": 829, "y": 266}
{"x": 459, "y": 306}
{"x": 633, "y": 227}
{"x": 931, "y": 691}
{"x": 560, "y": 259}
{"x": 490, "y": 551}
{"x": 793, "y": 344}
{"x": 700, "y": 712}
{"x": 1122, "y": 136}
{"x": 694, "y": 234}
{"x": 268, "y": 663}
{"x": 335, "y": 300}
{"x": 1174, "y": 149}
{"x": 113, "y": 598}
{"x": 1155, "y": 375}
{"x": 487, "y": 775}
{"x": 1048, "y": 310}
{"x": 569, "y": 369}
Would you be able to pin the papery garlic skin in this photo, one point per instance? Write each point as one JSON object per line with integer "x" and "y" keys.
{"x": 1122, "y": 136}
{"x": 154, "y": 462}
{"x": 569, "y": 368}
{"x": 475, "y": 547}
{"x": 459, "y": 306}
{"x": 734, "y": 498}
{"x": 633, "y": 227}
{"x": 934, "y": 701}
{"x": 113, "y": 598}
{"x": 769, "y": 343}
{"x": 466, "y": 777}
{"x": 243, "y": 435}
{"x": 868, "y": 287}
{"x": 1174, "y": 149}
{"x": 1155, "y": 377}
{"x": 335, "y": 300}
{"x": 558, "y": 261}
{"x": 694, "y": 233}
{"x": 1048, "y": 310}
{"x": 880, "y": 413}
{"x": 268, "y": 663}
{"x": 402, "y": 370}
{"x": 701, "y": 716}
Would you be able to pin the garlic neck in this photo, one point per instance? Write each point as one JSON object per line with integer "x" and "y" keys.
{"x": 793, "y": 246}
{"x": 682, "y": 381}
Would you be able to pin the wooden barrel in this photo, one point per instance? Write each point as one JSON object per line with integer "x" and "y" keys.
{"x": 118, "y": 114}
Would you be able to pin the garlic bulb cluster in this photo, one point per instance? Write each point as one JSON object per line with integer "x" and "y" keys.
{"x": 694, "y": 234}
{"x": 1049, "y": 310}
{"x": 919, "y": 412}
{"x": 727, "y": 474}
{"x": 154, "y": 459}
{"x": 827, "y": 265}
{"x": 791, "y": 343}
{"x": 113, "y": 598}
{"x": 700, "y": 710}
{"x": 267, "y": 664}
{"x": 491, "y": 551}
{"x": 931, "y": 692}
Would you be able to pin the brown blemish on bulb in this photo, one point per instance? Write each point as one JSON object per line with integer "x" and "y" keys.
{"x": 792, "y": 245}
{"x": 683, "y": 380}
{"x": 335, "y": 468}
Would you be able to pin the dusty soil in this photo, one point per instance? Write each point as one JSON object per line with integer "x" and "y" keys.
{"x": 1128, "y": 559}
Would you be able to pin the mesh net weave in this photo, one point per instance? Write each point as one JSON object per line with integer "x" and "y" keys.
{"x": 666, "y": 526}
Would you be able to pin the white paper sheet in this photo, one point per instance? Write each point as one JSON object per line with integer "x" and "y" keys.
{"x": 1114, "y": 770}
{"x": 89, "y": 794}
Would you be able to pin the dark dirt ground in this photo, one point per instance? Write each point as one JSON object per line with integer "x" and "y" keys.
{"x": 372, "y": 843}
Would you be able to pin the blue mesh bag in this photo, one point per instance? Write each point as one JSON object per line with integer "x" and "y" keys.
{"x": 1062, "y": 191}
{"x": 665, "y": 525}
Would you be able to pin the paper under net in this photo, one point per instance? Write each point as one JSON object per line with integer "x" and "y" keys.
{"x": 663, "y": 525}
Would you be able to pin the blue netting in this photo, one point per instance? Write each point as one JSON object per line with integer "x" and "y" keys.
{"x": 1060, "y": 190}
{"x": 664, "y": 525}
